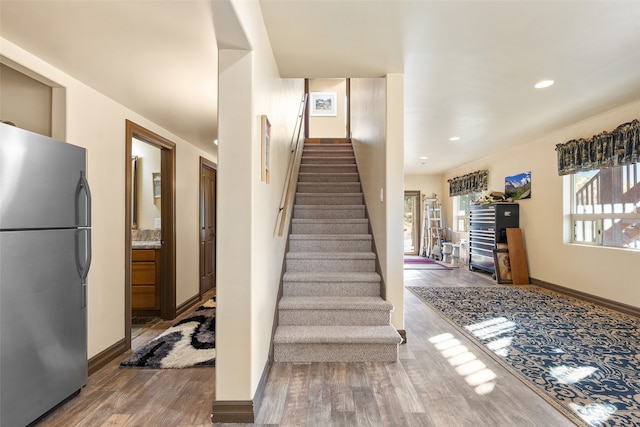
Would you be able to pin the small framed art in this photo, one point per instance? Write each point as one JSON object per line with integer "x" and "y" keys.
{"x": 323, "y": 104}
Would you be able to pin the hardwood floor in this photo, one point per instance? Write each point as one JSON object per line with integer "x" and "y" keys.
{"x": 422, "y": 389}
{"x": 130, "y": 397}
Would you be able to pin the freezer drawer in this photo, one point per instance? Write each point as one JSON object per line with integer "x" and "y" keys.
{"x": 43, "y": 326}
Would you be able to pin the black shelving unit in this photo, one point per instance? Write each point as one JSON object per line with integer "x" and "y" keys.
{"x": 487, "y": 227}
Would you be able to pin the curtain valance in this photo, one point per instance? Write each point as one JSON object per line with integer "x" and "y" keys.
{"x": 605, "y": 150}
{"x": 472, "y": 182}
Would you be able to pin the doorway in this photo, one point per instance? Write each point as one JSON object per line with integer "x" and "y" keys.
{"x": 208, "y": 180}
{"x": 411, "y": 222}
{"x": 150, "y": 280}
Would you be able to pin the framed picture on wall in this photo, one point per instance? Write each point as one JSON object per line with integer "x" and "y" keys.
{"x": 323, "y": 104}
{"x": 265, "y": 175}
{"x": 157, "y": 185}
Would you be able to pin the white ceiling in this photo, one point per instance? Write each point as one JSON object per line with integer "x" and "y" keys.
{"x": 469, "y": 66}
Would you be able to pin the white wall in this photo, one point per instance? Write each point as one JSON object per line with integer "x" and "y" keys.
{"x": 97, "y": 123}
{"x": 329, "y": 126}
{"x": 428, "y": 185}
{"x": 605, "y": 272}
{"x": 377, "y": 130}
{"x": 250, "y": 254}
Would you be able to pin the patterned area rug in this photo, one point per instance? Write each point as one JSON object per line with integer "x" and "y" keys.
{"x": 189, "y": 343}
{"x": 582, "y": 358}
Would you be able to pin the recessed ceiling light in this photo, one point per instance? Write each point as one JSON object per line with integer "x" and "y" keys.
{"x": 423, "y": 158}
{"x": 543, "y": 84}
{"x": 454, "y": 138}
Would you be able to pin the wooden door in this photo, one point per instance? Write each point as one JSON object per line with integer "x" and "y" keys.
{"x": 207, "y": 226}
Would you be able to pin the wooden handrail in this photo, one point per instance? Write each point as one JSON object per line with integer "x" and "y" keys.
{"x": 292, "y": 177}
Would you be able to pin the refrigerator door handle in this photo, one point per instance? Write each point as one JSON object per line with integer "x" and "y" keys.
{"x": 83, "y": 256}
{"x": 83, "y": 187}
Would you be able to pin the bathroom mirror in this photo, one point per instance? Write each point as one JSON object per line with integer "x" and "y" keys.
{"x": 134, "y": 192}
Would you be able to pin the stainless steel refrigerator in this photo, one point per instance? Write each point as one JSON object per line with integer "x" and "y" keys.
{"x": 45, "y": 253}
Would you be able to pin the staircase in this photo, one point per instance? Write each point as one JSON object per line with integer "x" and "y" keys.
{"x": 331, "y": 309}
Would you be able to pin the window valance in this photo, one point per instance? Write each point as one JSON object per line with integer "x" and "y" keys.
{"x": 472, "y": 182}
{"x": 605, "y": 150}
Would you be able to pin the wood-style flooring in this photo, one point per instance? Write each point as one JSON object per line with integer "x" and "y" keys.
{"x": 424, "y": 388}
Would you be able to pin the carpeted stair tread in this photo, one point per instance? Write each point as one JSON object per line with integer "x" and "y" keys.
{"x": 346, "y": 277}
{"x": 331, "y": 255}
{"x": 330, "y": 207}
{"x": 330, "y": 221}
{"x": 331, "y": 158}
{"x": 329, "y": 187}
{"x": 330, "y": 237}
{"x": 323, "y": 168}
{"x": 328, "y": 177}
{"x": 334, "y": 303}
{"x": 336, "y": 334}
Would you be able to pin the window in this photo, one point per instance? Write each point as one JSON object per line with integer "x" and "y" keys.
{"x": 605, "y": 208}
{"x": 461, "y": 211}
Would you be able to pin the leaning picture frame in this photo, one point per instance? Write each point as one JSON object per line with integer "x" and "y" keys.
{"x": 502, "y": 266}
{"x": 323, "y": 104}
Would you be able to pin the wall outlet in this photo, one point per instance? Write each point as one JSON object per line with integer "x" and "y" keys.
{"x": 382, "y": 194}
{"x": 157, "y": 223}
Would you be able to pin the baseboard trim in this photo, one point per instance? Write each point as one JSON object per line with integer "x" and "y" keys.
{"x": 262, "y": 385}
{"x": 614, "y": 305}
{"x": 187, "y": 305}
{"x": 240, "y": 411}
{"x": 232, "y": 411}
{"x": 100, "y": 360}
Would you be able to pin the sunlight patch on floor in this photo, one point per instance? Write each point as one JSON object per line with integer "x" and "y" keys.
{"x": 594, "y": 414}
{"x": 569, "y": 375}
{"x": 466, "y": 364}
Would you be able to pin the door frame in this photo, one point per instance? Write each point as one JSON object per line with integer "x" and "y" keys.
{"x": 168, "y": 260}
{"x": 417, "y": 221}
{"x": 207, "y": 164}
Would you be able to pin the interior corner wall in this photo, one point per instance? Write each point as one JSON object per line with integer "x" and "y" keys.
{"x": 330, "y": 126}
{"x": 609, "y": 273}
{"x": 250, "y": 253}
{"x": 377, "y": 136}
{"x": 97, "y": 123}
{"x": 25, "y": 101}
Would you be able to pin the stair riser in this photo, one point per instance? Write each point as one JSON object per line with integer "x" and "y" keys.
{"x": 316, "y": 187}
{"x": 330, "y": 245}
{"x": 315, "y": 228}
{"x": 319, "y": 317}
{"x": 311, "y": 168}
{"x": 332, "y": 199}
{"x": 317, "y": 289}
{"x": 335, "y": 352}
{"x": 311, "y": 213}
{"x": 328, "y": 177}
{"x": 343, "y": 160}
{"x": 330, "y": 265}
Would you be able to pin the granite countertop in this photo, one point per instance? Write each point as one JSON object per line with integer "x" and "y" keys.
{"x": 146, "y": 244}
